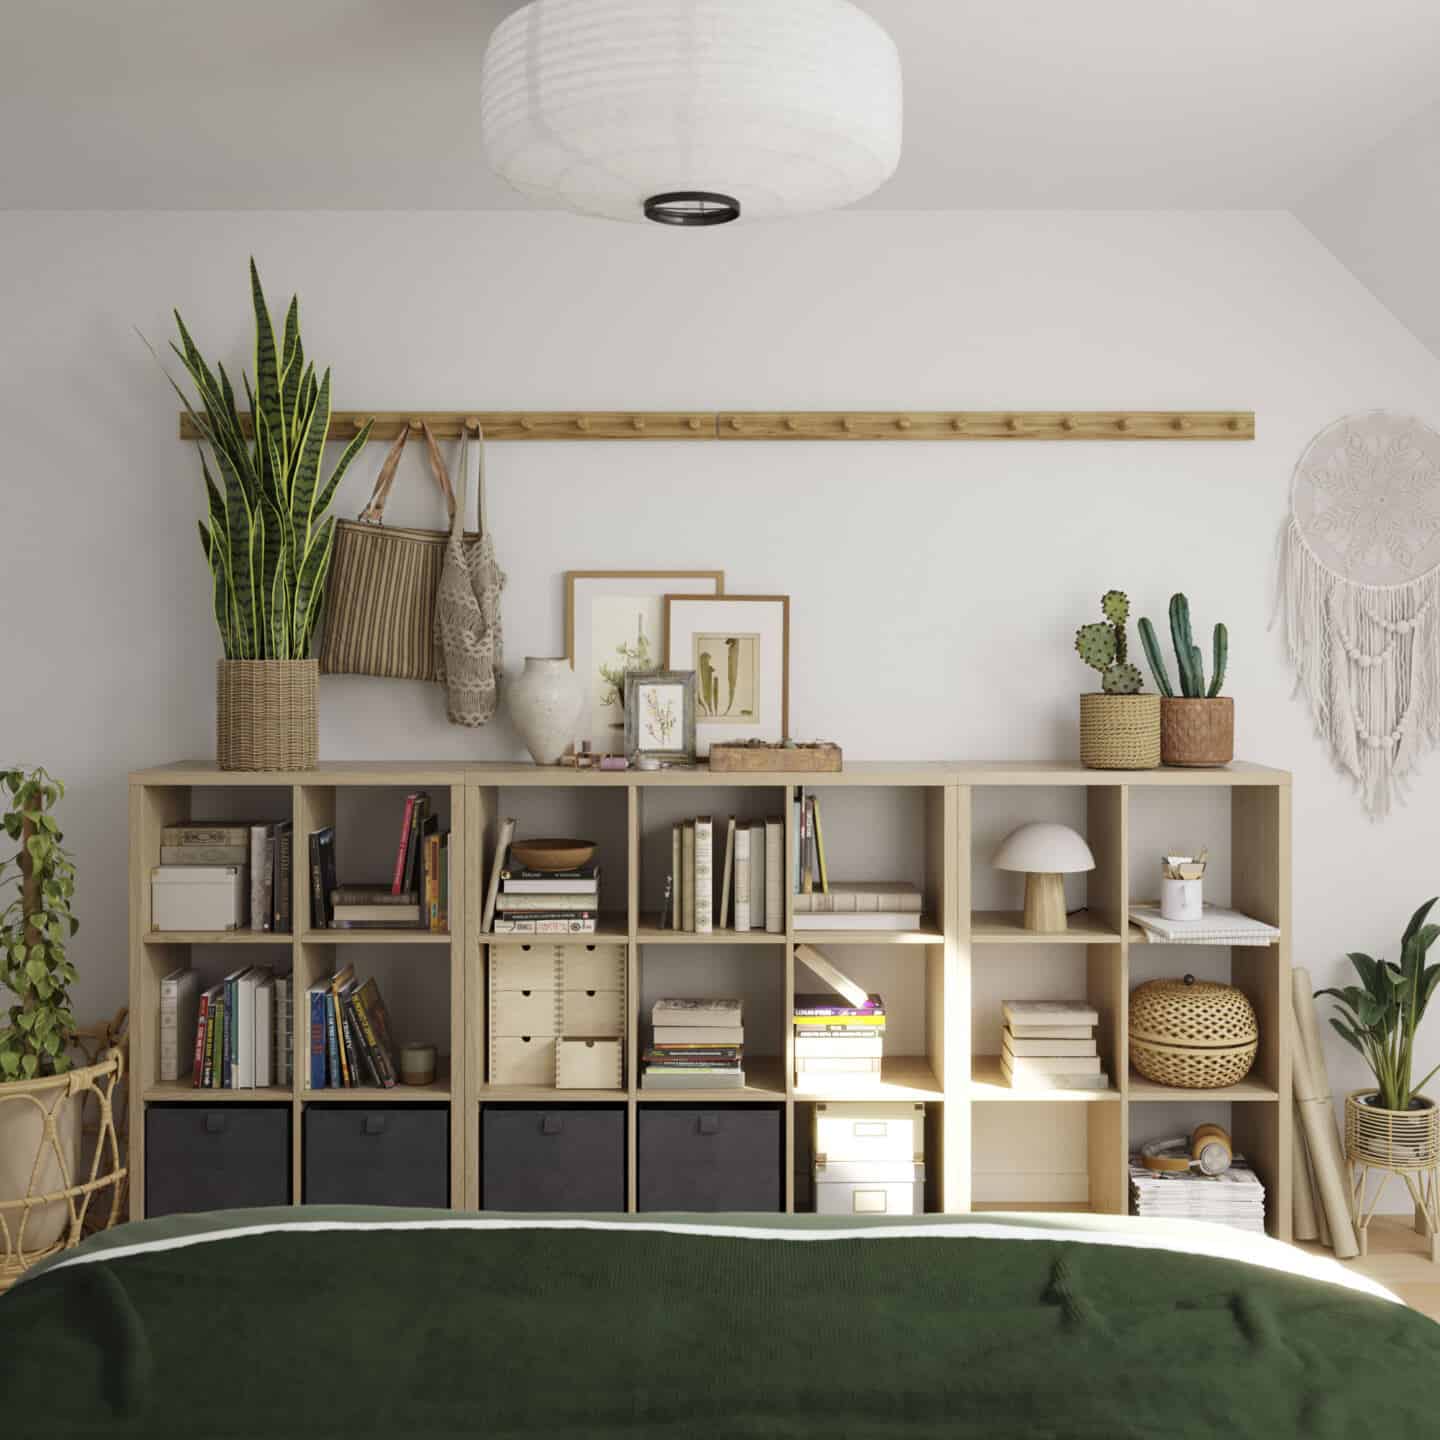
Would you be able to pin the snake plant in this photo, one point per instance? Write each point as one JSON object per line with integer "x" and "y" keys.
{"x": 266, "y": 536}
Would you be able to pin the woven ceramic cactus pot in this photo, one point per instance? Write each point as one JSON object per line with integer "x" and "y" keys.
{"x": 1194, "y": 1034}
{"x": 1119, "y": 732}
{"x": 1197, "y": 732}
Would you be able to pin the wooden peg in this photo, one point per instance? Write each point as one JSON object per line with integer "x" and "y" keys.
{"x": 359, "y": 423}
{"x": 472, "y": 422}
{"x": 1067, "y": 422}
{"x": 1014, "y": 424}
{"x": 415, "y": 426}
{"x": 848, "y": 425}
{"x": 1123, "y": 423}
{"x": 1181, "y": 423}
{"x": 637, "y": 423}
{"x": 735, "y": 422}
{"x": 526, "y": 423}
{"x": 1236, "y": 423}
{"x": 958, "y": 425}
{"x": 904, "y": 423}
{"x": 790, "y": 423}
{"x": 583, "y": 423}
{"x": 696, "y": 423}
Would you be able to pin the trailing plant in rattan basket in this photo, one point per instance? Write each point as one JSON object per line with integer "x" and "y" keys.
{"x": 266, "y": 537}
{"x": 35, "y": 927}
{"x": 1380, "y": 1016}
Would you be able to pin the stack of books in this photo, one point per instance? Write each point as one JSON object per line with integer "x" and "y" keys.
{"x": 823, "y": 904}
{"x": 350, "y": 1037}
{"x": 839, "y": 1034}
{"x": 1236, "y": 1198}
{"x": 262, "y": 850}
{"x": 695, "y": 1045}
{"x": 744, "y": 892}
{"x": 539, "y": 902}
{"x": 1050, "y": 1045}
{"x": 1216, "y": 926}
{"x": 243, "y": 1029}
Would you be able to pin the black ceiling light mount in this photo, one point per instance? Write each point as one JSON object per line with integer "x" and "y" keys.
{"x": 692, "y": 207}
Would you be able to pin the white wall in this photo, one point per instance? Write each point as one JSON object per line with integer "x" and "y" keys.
{"x": 935, "y": 588}
{"x": 1381, "y": 216}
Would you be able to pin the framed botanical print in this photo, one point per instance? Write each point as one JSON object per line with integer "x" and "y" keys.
{"x": 739, "y": 649}
{"x": 660, "y": 716}
{"x": 614, "y": 622}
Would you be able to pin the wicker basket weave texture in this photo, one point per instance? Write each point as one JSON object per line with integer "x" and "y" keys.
{"x": 1197, "y": 732}
{"x": 1395, "y": 1139}
{"x": 267, "y": 714}
{"x": 1120, "y": 732}
{"x": 1195, "y": 1034}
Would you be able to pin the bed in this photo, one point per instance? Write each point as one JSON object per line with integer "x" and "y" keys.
{"x": 360, "y": 1323}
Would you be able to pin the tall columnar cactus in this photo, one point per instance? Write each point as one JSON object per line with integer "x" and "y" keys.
{"x": 1103, "y": 646}
{"x": 1188, "y": 660}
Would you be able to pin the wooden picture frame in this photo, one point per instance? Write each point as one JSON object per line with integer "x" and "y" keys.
{"x": 748, "y": 698}
{"x": 595, "y": 601}
{"x": 640, "y": 739}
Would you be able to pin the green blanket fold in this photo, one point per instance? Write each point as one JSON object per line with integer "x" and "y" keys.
{"x": 435, "y": 1334}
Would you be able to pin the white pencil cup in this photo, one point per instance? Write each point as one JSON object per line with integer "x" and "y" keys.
{"x": 1180, "y": 899}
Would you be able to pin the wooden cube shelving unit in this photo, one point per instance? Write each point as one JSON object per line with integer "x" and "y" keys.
{"x": 929, "y": 807}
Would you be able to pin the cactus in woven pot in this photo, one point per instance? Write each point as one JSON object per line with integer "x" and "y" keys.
{"x": 266, "y": 536}
{"x": 1119, "y": 727}
{"x": 1197, "y": 726}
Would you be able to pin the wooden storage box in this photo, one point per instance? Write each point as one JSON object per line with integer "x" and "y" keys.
{"x": 589, "y": 1063}
{"x": 525, "y": 1012}
{"x": 199, "y": 897}
{"x": 593, "y": 967}
{"x": 859, "y": 1130}
{"x": 870, "y": 1188}
{"x": 216, "y": 1157}
{"x": 377, "y": 1155}
{"x": 552, "y": 1158}
{"x": 522, "y": 1060}
{"x": 592, "y": 1012}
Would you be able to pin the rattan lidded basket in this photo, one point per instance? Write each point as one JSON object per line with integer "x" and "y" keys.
{"x": 1193, "y": 1034}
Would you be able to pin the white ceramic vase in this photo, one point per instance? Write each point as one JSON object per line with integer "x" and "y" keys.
{"x": 545, "y": 700}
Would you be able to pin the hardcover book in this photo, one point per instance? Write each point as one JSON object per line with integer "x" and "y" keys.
{"x": 704, "y": 875}
{"x": 742, "y": 879}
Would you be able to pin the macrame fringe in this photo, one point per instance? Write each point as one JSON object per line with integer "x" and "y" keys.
{"x": 1367, "y": 659}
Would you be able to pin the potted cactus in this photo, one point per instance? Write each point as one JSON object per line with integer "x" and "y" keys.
{"x": 1197, "y": 726}
{"x": 1119, "y": 727}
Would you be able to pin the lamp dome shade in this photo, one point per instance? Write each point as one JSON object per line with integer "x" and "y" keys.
{"x": 1044, "y": 848}
{"x": 782, "y": 106}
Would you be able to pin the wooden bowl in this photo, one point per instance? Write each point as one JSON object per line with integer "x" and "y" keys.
{"x": 553, "y": 854}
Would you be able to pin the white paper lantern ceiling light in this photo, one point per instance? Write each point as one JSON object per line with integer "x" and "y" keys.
{"x": 692, "y": 112}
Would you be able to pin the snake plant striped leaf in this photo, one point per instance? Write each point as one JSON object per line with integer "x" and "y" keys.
{"x": 266, "y": 535}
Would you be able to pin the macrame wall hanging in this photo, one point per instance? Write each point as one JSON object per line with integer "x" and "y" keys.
{"x": 1359, "y": 590}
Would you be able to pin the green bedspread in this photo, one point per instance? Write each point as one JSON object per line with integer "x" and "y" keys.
{"x": 1035, "y": 1326}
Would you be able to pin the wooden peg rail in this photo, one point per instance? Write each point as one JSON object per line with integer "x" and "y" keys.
{"x": 796, "y": 424}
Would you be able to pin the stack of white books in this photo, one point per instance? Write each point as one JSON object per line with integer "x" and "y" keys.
{"x": 1050, "y": 1045}
{"x": 1236, "y": 1198}
{"x": 1216, "y": 926}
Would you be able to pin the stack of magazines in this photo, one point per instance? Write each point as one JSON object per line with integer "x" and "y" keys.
{"x": 1236, "y": 1198}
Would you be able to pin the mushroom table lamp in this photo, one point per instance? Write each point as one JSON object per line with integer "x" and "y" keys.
{"x": 1046, "y": 853}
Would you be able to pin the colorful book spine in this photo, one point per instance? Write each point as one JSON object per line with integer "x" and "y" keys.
{"x": 402, "y": 851}
{"x": 318, "y": 1047}
{"x": 215, "y": 1043}
{"x": 201, "y": 1019}
{"x": 384, "y": 1069}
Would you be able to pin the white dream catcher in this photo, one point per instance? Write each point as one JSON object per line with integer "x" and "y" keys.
{"x": 1359, "y": 586}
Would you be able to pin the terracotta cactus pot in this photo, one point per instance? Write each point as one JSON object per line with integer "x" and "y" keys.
{"x": 1197, "y": 732}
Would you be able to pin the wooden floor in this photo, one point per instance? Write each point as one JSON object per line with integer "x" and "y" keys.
{"x": 1400, "y": 1260}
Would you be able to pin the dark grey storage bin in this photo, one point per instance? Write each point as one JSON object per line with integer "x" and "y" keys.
{"x": 216, "y": 1157}
{"x": 709, "y": 1157}
{"x": 552, "y": 1157}
{"x": 377, "y": 1155}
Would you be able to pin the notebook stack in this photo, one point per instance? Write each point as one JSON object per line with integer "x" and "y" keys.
{"x": 696, "y": 1045}
{"x": 1050, "y": 1045}
{"x": 540, "y": 902}
{"x": 839, "y": 1034}
{"x": 1236, "y": 1198}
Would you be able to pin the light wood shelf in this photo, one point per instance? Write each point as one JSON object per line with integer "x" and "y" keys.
{"x": 934, "y": 965}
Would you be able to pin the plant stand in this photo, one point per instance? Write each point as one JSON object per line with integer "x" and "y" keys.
{"x": 1382, "y": 1144}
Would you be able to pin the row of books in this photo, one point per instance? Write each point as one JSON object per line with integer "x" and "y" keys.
{"x": 750, "y": 879}
{"x": 235, "y": 1035}
{"x": 351, "y": 1043}
{"x": 1050, "y": 1045}
{"x": 695, "y": 1045}
{"x": 820, "y": 903}
{"x": 522, "y": 901}
{"x": 262, "y": 850}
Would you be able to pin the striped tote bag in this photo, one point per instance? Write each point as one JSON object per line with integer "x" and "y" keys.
{"x": 380, "y": 605}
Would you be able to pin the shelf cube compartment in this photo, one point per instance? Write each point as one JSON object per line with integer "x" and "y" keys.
{"x": 712, "y": 1157}
{"x": 552, "y": 1157}
{"x": 377, "y": 1154}
{"x": 216, "y": 1157}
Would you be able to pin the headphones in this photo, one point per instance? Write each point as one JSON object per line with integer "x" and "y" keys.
{"x": 1208, "y": 1149}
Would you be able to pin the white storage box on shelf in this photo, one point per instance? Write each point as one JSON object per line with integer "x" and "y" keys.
{"x": 870, "y": 1187}
{"x": 594, "y": 1063}
{"x": 199, "y": 897}
{"x": 859, "y": 1130}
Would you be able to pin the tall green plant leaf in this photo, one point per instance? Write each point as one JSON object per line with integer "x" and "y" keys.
{"x": 307, "y": 468}
{"x": 310, "y": 586}
{"x": 267, "y": 361}
{"x": 323, "y": 499}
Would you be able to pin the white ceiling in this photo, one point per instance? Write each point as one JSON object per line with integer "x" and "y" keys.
{"x": 325, "y": 104}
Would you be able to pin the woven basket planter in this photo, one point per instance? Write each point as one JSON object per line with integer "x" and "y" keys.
{"x": 266, "y": 714}
{"x": 1193, "y": 1034}
{"x": 1393, "y": 1139}
{"x": 1119, "y": 732}
{"x": 1197, "y": 732}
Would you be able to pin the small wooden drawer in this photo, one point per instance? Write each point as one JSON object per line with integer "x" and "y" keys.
{"x": 522, "y": 1060}
{"x": 589, "y": 1064}
{"x": 523, "y": 967}
{"x": 525, "y": 1012}
{"x": 596, "y": 967}
{"x": 593, "y": 1012}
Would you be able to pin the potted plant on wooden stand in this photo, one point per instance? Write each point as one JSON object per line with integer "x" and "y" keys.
{"x": 43, "y": 1195}
{"x": 1197, "y": 727}
{"x": 266, "y": 539}
{"x": 1393, "y": 1129}
{"x": 1119, "y": 727}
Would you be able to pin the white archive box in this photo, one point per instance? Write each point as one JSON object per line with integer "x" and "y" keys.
{"x": 199, "y": 897}
{"x": 870, "y": 1187}
{"x": 859, "y": 1130}
{"x": 589, "y": 1063}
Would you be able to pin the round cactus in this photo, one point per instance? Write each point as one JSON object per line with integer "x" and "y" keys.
{"x": 1096, "y": 646}
{"x": 1122, "y": 680}
{"x": 1115, "y": 606}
